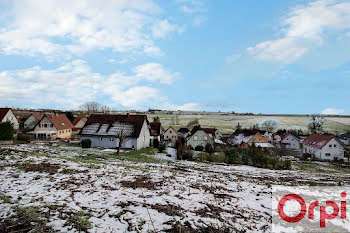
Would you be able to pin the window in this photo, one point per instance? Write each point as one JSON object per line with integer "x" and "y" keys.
{"x": 335, "y": 145}
{"x": 111, "y": 139}
{"x": 171, "y": 131}
{"x": 205, "y": 138}
{"x": 259, "y": 139}
{"x": 328, "y": 154}
{"x": 195, "y": 138}
{"x": 330, "y": 145}
{"x": 200, "y": 138}
{"x": 101, "y": 139}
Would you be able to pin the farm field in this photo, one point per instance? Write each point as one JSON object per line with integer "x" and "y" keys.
{"x": 227, "y": 122}
{"x": 69, "y": 189}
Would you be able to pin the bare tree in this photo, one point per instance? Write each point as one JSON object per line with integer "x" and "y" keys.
{"x": 91, "y": 107}
{"x": 156, "y": 119}
{"x": 105, "y": 109}
{"x": 121, "y": 135}
{"x": 192, "y": 123}
{"x": 269, "y": 125}
{"x": 315, "y": 123}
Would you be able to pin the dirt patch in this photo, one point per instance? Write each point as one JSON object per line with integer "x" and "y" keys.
{"x": 41, "y": 167}
{"x": 72, "y": 171}
{"x": 170, "y": 210}
{"x": 141, "y": 182}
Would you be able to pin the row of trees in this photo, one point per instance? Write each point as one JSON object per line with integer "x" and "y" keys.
{"x": 315, "y": 124}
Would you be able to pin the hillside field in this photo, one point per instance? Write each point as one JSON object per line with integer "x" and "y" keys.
{"x": 226, "y": 123}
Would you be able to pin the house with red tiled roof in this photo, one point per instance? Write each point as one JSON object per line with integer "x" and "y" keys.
{"x": 6, "y": 115}
{"x": 33, "y": 120}
{"x": 78, "y": 124}
{"x": 156, "y": 131}
{"x": 105, "y": 131}
{"x": 171, "y": 135}
{"x": 52, "y": 126}
{"x": 323, "y": 147}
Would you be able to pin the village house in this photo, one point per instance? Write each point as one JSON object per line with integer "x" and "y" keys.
{"x": 323, "y": 147}
{"x": 215, "y": 134}
{"x": 107, "y": 131}
{"x": 52, "y": 126}
{"x": 244, "y": 138}
{"x": 156, "y": 132}
{"x": 183, "y": 132}
{"x": 78, "y": 124}
{"x": 33, "y": 120}
{"x": 345, "y": 139}
{"x": 171, "y": 135}
{"x": 6, "y": 115}
{"x": 198, "y": 137}
{"x": 287, "y": 141}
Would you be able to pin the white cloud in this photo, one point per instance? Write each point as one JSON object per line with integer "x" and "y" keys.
{"x": 163, "y": 28}
{"x": 74, "y": 83}
{"x": 61, "y": 28}
{"x": 303, "y": 28}
{"x": 233, "y": 58}
{"x": 332, "y": 111}
{"x": 155, "y": 72}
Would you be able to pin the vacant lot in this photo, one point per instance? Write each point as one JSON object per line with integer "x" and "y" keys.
{"x": 67, "y": 189}
{"x": 227, "y": 122}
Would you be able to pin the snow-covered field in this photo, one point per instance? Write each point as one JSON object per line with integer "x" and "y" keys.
{"x": 62, "y": 191}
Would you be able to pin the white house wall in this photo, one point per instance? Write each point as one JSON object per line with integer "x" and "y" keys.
{"x": 30, "y": 122}
{"x": 10, "y": 117}
{"x": 143, "y": 140}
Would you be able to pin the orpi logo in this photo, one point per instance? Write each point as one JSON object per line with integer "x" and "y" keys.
{"x": 310, "y": 210}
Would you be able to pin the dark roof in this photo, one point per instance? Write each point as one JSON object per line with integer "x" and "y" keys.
{"x": 183, "y": 130}
{"x": 195, "y": 129}
{"x": 60, "y": 121}
{"x": 318, "y": 140}
{"x": 248, "y": 132}
{"x": 344, "y": 136}
{"x": 104, "y": 119}
{"x": 209, "y": 131}
{"x": 3, "y": 112}
{"x": 155, "y": 129}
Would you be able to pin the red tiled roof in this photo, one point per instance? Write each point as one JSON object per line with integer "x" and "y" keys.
{"x": 3, "y": 112}
{"x": 38, "y": 116}
{"x": 135, "y": 120}
{"x": 60, "y": 121}
{"x": 318, "y": 140}
{"x": 77, "y": 119}
{"x": 155, "y": 129}
{"x": 172, "y": 128}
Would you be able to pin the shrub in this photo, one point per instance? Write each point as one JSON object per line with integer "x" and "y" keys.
{"x": 156, "y": 143}
{"x": 232, "y": 156}
{"x": 6, "y": 131}
{"x": 209, "y": 148}
{"x": 161, "y": 147}
{"x": 86, "y": 143}
{"x": 284, "y": 165}
{"x": 306, "y": 156}
{"x": 23, "y": 137}
{"x": 199, "y": 148}
{"x": 188, "y": 155}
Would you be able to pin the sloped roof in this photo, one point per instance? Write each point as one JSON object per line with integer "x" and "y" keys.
{"x": 77, "y": 119}
{"x": 103, "y": 124}
{"x": 209, "y": 131}
{"x": 170, "y": 127}
{"x": 183, "y": 130}
{"x": 60, "y": 121}
{"x": 318, "y": 140}
{"x": 155, "y": 129}
{"x": 38, "y": 116}
{"x": 3, "y": 112}
{"x": 248, "y": 132}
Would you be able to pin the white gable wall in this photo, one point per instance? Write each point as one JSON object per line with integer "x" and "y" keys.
{"x": 10, "y": 117}
{"x": 291, "y": 142}
{"x": 30, "y": 122}
{"x": 143, "y": 140}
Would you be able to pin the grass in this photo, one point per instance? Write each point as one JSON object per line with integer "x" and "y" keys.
{"x": 218, "y": 157}
{"x": 316, "y": 167}
{"x": 25, "y": 219}
{"x": 140, "y": 156}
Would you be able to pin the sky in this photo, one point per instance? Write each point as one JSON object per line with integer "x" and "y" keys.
{"x": 267, "y": 56}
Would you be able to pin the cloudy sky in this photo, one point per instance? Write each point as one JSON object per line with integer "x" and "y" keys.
{"x": 245, "y": 56}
